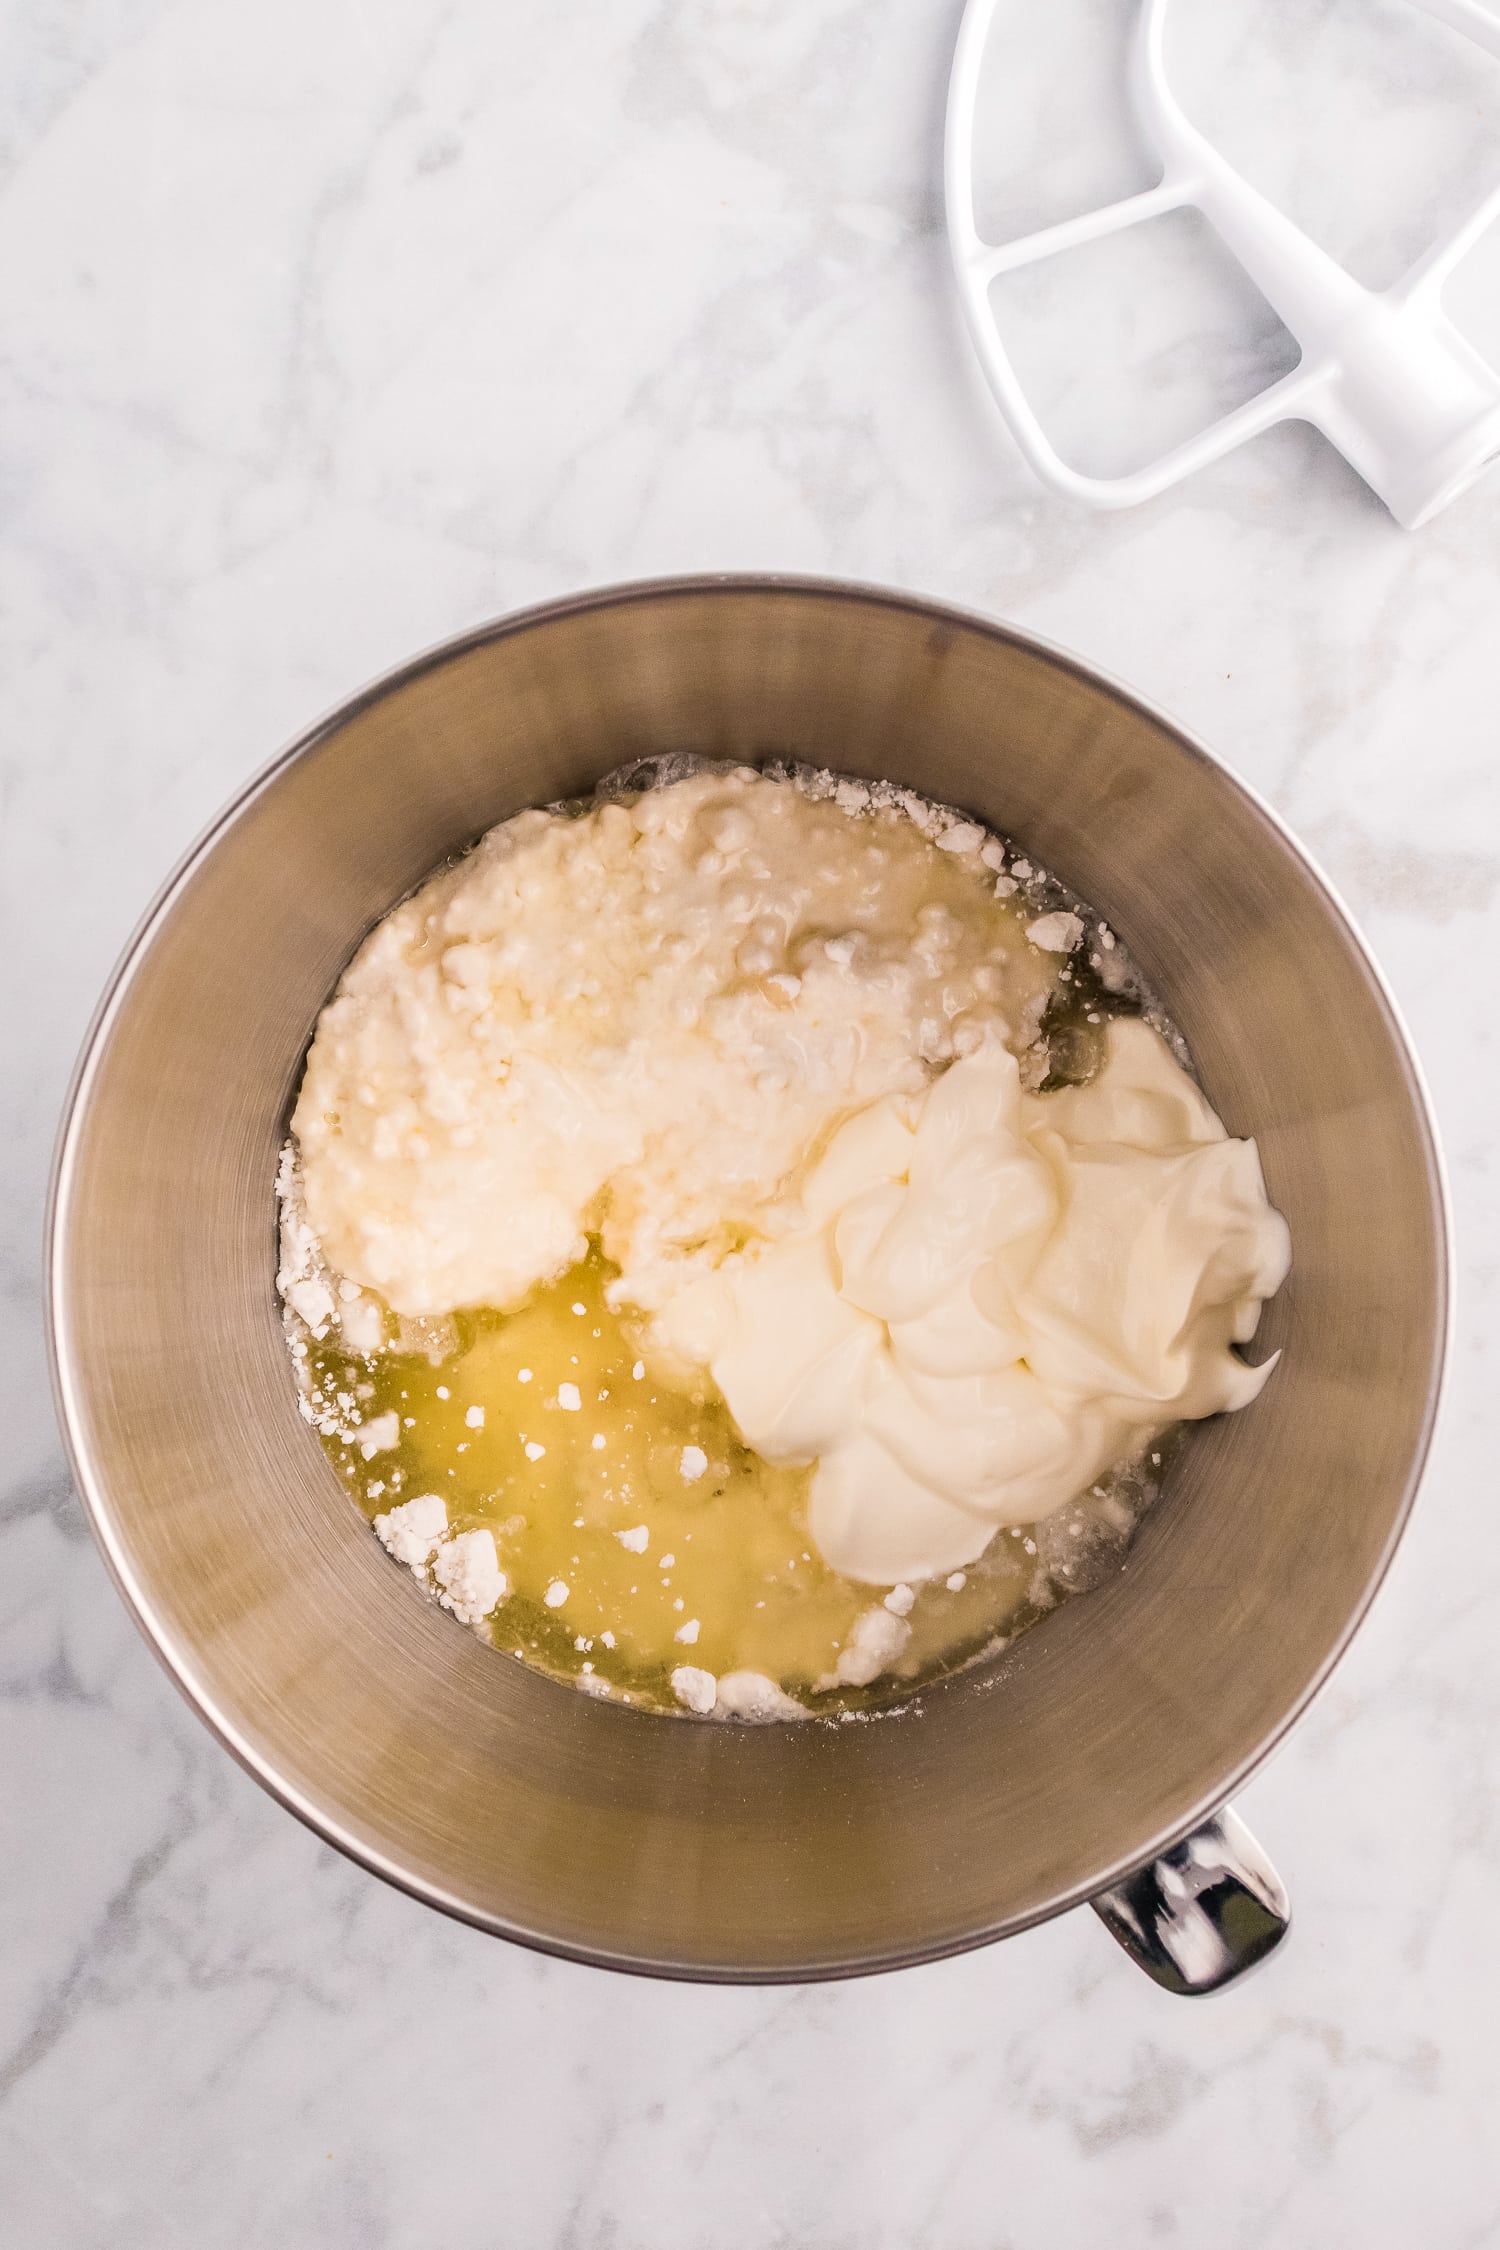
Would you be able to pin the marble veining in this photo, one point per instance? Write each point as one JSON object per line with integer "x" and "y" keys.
{"x": 330, "y": 330}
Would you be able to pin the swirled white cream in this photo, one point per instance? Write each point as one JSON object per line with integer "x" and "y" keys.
{"x": 991, "y": 1297}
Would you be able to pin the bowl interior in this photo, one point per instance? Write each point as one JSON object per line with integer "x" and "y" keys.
{"x": 723, "y": 1850}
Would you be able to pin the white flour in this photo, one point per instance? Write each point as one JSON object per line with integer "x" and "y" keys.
{"x": 463, "y": 1568}
{"x": 639, "y": 1022}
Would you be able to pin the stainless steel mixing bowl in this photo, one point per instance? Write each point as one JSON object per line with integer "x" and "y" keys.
{"x": 1107, "y": 1735}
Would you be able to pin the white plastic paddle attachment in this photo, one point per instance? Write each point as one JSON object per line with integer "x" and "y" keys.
{"x": 1384, "y": 373}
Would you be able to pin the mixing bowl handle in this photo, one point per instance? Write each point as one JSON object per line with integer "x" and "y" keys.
{"x": 1202, "y": 1914}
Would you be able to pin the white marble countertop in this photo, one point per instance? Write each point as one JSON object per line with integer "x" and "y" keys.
{"x": 329, "y": 330}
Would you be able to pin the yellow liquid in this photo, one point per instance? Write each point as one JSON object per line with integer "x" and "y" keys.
{"x": 726, "y": 1545}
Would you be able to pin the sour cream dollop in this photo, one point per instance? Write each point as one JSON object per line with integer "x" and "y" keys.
{"x": 989, "y": 1298}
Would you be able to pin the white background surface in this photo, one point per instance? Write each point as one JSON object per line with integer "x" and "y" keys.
{"x": 330, "y": 329}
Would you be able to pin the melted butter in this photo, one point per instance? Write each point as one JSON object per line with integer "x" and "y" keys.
{"x": 726, "y": 1546}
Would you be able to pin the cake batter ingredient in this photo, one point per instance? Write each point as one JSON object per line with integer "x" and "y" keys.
{"x": 751, "y": 1176}
{"x": 605, "y": 1559}
{"x": 636, "y": 1023}
{"x": 990, "y": 1297}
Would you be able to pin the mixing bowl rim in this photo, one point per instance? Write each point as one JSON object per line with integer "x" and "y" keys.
{"x": 180, "y": 1662}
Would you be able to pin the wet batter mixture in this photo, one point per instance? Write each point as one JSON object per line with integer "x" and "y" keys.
{"x": 743, "y": 1248}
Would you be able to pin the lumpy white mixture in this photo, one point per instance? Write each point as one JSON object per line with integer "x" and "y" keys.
{"x": 775, "y": 1044}
{"x": 639, "y": 1023}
